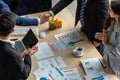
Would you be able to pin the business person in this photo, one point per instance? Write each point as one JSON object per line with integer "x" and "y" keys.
{"x": 12, "y": 4}
{"x": 13, "y": 66}
{"x": 32, "y": 6}
{"x": 20, "y": 20}
{"x": 111, "y": 39}
{"x": 91, "y": 13}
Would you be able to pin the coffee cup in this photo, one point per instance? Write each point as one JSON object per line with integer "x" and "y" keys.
{"x": 78, "y": 51}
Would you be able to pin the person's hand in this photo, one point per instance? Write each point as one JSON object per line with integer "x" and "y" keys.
{"x": 33, "y": 50}
{"x": 29, "y": 51}
{"x": 98, "y": 35}
{"x": 96, "y": 44}
{"x": 102, "y": 36}
{"x": 44, "y": 17}
{"x": 105, "y": 38}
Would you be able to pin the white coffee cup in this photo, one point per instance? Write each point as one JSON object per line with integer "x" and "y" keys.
{"x": 78, "y": 51}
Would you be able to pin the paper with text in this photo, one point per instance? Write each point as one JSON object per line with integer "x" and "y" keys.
{"x": 49, "y": 74}
{"x": 44, "y": 51}
{"x": 72, "y": 74}
{"x": 51, "y": 62}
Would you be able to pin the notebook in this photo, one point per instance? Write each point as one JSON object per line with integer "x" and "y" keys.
{"x": 29, "y": 40}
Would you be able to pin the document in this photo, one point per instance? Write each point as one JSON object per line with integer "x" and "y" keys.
{"x": 49, "y": 74}
{"x": 73, "y": 34}
{"x": 72, "y": 74}
{"x": 93, "y": 69}
{"x": 97, "y": 77}
{"x": 61, "y": 45}
{"x": 44, "y": 51}
{"x": 66, "y": 40}
{"x": 51, "y": 63}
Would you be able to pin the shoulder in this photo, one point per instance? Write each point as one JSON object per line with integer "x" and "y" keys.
{"x": 9, "y": 53}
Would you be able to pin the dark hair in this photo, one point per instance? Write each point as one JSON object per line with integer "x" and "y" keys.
{"x": 107, "y": 22}
{"x": 7, "y": 23}
{"x": 115, "y": 6}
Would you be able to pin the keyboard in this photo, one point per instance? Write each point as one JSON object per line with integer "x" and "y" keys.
{"x": 22, "y": 31}
{"x": 19, "y": 46}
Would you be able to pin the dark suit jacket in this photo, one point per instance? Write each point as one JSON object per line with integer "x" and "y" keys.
{"x": 95, "y": 13}
{"x": 12, "y": 67}
{"x": 12, "y": 4}
{"x": 19, "y": 20}
{"x": 34, "y": 6}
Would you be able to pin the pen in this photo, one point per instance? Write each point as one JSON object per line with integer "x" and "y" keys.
{"x": 82, "y": 67}
{"x": 103, "y": 65}
{"x": 72, "y": 43}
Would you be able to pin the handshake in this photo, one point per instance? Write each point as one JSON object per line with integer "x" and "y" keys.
{"x": 53, "y": 23}
{"x": 44, "y": 17}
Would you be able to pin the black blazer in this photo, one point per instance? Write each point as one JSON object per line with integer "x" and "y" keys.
{"x": 22, "y": 7}
{"x": 12, "y": 4}
{"x": 96, "y": 12}
{"x": 12, "y": 67}
{"x": 32, "y": 6}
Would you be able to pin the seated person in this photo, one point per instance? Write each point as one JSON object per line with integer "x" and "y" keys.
{"x": 111, "y": 39}
{"x": 20, "y": 20}
{"x": 13, "y": 66}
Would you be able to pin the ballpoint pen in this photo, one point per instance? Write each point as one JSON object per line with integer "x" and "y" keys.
{"x": 103, "y": 65}
{"x": 72, "y": 43}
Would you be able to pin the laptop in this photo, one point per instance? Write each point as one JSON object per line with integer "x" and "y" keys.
{"x": 28, "y": 41}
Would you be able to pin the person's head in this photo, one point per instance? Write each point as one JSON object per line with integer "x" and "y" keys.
{"x": 114, "y": 13}
{"x": 7, "y": 23}
{"x": 114, "y": 10}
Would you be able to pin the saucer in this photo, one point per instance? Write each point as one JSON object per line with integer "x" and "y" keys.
{"x": 78, "y": 51}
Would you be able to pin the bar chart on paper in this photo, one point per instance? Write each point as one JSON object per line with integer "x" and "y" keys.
{"x": 66, "y": 40}
{"x": 73, "y": 34}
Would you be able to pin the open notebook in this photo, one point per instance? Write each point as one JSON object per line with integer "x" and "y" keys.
{"x": 29, "y": 40}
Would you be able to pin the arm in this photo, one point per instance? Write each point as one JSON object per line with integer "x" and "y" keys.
{"x": 114, "y": 48}
{"x": 23, "y": 67}
{"x": 26, "y": 21}
{"x": 109, "y": 48}
{"x": 57, "y": 8}
{"x": 19, "y": 20}
{"x": 102, "y": 12}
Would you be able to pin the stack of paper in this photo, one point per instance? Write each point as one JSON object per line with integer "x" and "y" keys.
{"x": 93, "y": 69}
